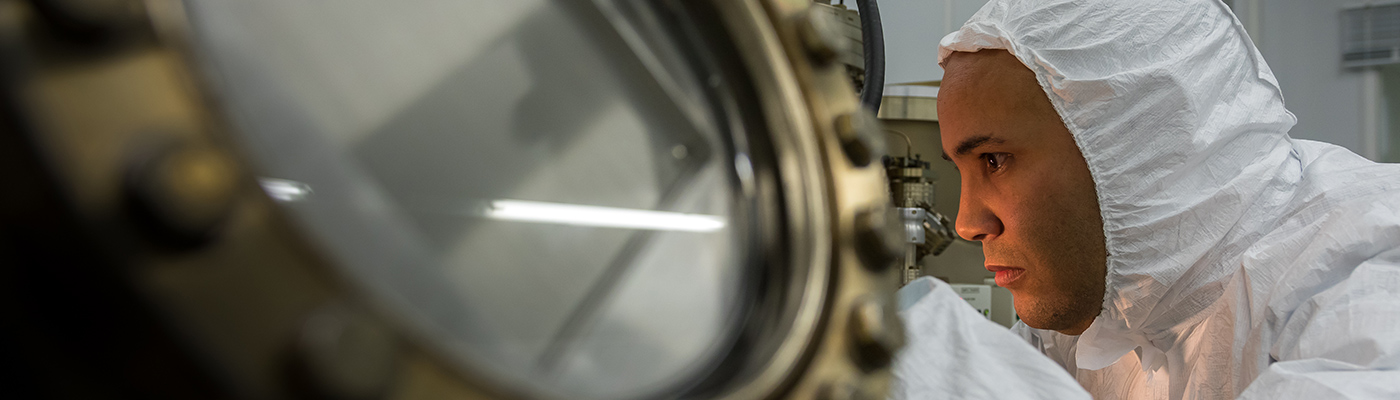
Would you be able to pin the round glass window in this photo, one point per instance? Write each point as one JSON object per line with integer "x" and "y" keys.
{"x": 524, "y": 183}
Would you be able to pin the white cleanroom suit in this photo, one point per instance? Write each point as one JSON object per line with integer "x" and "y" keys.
{"x": 953, "y": 352}
{"x": 1242, "y": 262}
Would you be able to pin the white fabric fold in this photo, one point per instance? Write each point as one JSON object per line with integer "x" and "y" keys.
{"x": 954, "y": 352}
{"x": 1106, "y": 341}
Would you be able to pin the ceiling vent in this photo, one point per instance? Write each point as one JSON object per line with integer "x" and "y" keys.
{"x": 1371, "y": 35}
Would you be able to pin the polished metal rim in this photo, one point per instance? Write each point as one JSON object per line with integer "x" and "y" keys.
{"x": 853, "y": 330}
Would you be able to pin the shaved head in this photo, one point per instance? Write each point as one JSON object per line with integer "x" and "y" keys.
{"x": 997, "y": 73}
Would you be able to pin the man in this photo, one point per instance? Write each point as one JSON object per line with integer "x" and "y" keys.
{"x": 1127, "y": 169}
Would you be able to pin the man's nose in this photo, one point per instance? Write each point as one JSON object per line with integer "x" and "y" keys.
{"x": 975, "y": 220}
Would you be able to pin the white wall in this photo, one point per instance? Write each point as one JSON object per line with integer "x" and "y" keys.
{"x": 912, "y": 31}
{"x": 1301, "y": 41}
{"x": 1298, "y": 38}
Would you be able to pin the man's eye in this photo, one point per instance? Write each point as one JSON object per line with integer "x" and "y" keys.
{"x": 995, "y": 160}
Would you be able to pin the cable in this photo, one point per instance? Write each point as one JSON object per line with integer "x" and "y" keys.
{"x": 908, "y": 144}
{"x": 873, "y": 43}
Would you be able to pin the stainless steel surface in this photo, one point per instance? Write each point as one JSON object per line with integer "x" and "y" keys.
{"x": 913, "y": 219}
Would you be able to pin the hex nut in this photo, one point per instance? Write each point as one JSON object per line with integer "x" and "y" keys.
{"x": 843, "y": 390}
{"x": 819, "y": 39}
{"x": 858, "y": 133}
{"x": 877, "y": 238}
{"x": 876, "y": 331}
{"x": 180, "y": 193}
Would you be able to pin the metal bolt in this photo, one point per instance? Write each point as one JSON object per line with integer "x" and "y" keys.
{"x": 877, "y": 233}
{"x": 181, "y": 193}
{"x": 877, "y": 332}
{"x": 844, "y": 390}
{"x": 343, "y": 354}
{"x": 857, "y": 133}
{"x": 818, "y": 37}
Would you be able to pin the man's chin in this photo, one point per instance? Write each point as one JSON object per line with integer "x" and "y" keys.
{"x": 1027, "y": 311}
{"x": 1039, "y": 315}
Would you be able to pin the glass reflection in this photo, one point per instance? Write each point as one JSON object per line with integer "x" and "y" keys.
{"x": 402, "y": 115}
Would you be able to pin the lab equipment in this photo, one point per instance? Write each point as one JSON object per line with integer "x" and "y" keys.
{"x": 926, "y": 232}
{"x": 977, "y": 296}
{"x": 440, "y": 199}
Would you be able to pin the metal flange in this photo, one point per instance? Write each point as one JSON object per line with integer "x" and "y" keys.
{"x": 853, "y": 346}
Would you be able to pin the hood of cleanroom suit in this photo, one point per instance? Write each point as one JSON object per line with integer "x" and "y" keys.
{"x": 1241, "y": 261}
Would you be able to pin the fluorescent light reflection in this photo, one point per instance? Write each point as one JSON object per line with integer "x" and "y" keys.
{"x": 285, "y": 190}
{"x": 606, "y": 217}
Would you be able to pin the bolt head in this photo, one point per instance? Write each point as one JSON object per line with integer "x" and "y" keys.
{"x": 878, "y": 233}
{"x": 876, "y": 331}
{"x": 858, "y": 132}
{"x": 819, "y": 37}
{"x": 181, "y": 193}
{"x": 843, "y": 390}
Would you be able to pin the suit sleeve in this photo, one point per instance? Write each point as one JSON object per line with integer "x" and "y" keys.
{"x": 1343, "y": 343}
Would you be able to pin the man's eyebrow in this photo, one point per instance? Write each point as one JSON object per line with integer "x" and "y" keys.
{"x": 972, "y": 143}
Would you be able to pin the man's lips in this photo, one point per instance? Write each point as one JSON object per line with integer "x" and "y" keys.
{"x": 1006, "y": 276}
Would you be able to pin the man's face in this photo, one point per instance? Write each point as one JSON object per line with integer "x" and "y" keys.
{"x": 1026, "y": 191}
